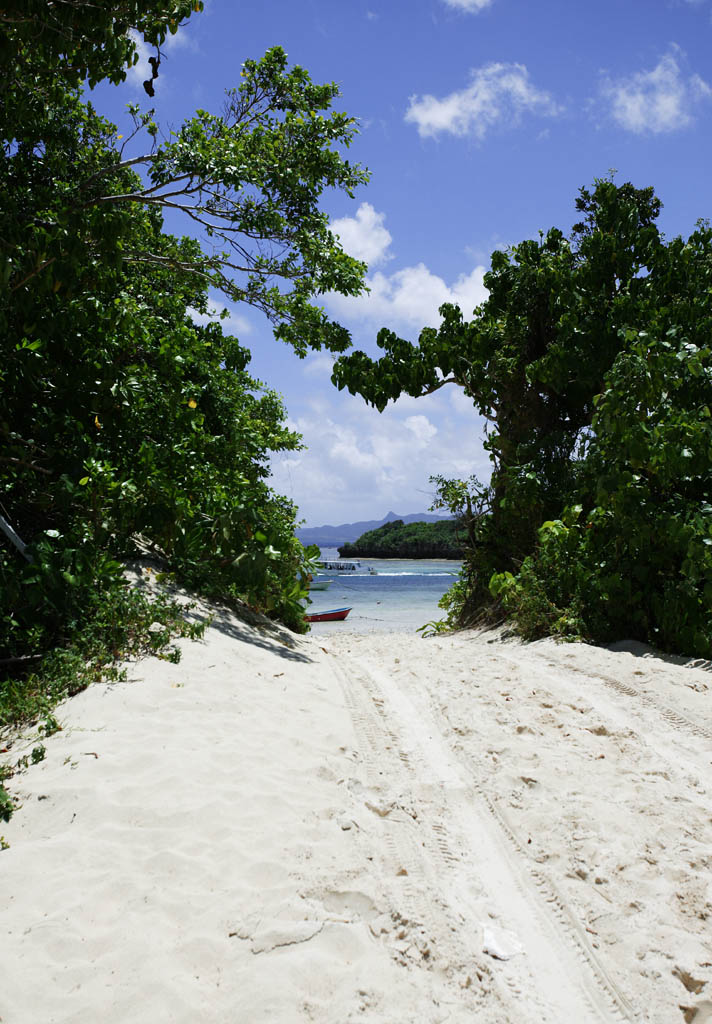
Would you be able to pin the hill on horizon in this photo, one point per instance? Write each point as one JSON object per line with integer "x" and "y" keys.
{"x": 332, "y": 536}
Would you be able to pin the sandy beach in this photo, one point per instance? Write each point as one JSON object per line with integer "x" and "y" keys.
{"x": 378, "y": 828}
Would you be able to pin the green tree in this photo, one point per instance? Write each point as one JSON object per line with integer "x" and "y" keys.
{"x": 120, "y": 418}
{"x": 633, "y": 556}
{"x": 72, "y": 41}
{"x": 249, "y": 181}
{"x": 550, "y": 360}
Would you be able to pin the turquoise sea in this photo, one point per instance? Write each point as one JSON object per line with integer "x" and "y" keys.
{"x": 402, "y": 596}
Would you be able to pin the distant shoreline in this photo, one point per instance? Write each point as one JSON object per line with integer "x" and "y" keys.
{"x": 408, "y": 540}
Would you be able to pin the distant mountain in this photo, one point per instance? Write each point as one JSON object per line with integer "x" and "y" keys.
{"x": 333, "y": 536}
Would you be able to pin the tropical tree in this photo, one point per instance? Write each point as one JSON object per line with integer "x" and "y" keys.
{"x": 79, "y": 40}
{"x": 549, "y": 360}
{"x": 122, "y": 419}
{"x": 249, "y": 181}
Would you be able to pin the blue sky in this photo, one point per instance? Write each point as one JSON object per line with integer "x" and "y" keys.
{"x": 480, "y": 119}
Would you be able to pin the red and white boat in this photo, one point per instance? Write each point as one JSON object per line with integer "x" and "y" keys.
{"x": 332, "y": 615}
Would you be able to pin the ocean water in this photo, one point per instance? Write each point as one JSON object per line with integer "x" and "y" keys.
{"x": 402, "y": 596}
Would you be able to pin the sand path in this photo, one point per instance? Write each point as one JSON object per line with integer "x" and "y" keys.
{"x": 367, "y": 828}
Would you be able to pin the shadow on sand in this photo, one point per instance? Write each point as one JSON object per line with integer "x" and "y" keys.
{"x": 263, "y": 633}
{"x": 641, "y": 650}
{"x": 239, "y": 623}
{"x": 504, "y": 634}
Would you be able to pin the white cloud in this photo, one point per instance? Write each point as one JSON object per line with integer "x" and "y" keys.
{"x": 656, "y": 101}
{"x": 321, "y": 364}
{"x": 364, "y": 236}
{"x": 421, "y": 428}
{"x": 233, "y": 323}
{"x": 411, "y": 297}
{"x": 469, "y": 290}
{"x": 496, "y": 93}
{"x": 461, "y": 403}
{"x": 470, "y": 6}
{"x": 140, "y": 71}
{"x": 180, "y": 40}
{"x": 359, "y": 463}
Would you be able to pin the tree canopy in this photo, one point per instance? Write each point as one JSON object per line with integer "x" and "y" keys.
{"x": 78, "y": 40}
{"x": 248, "y": 182}
{"x": 123, "y": 421}
{"x": 591, "y": 362}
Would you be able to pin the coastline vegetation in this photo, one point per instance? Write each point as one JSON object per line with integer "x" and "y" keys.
{"x": 129, "y": 423}
{"x": 591, "y": 361}
{"x": 407, "y": 540}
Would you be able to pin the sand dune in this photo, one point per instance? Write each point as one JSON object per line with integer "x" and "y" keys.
{"x": 379, "y": 829}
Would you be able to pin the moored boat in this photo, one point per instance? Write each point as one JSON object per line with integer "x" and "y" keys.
{"x": 333, "y": 615}
{"x": 320, "y": 584}
{"x": 336, "y": 565}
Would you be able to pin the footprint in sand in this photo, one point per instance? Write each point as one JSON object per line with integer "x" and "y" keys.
{"x": 350, "y": 905}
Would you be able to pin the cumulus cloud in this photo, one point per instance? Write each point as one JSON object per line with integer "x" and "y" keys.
{"x": 359, "y": 463}
{"x": 470, "y": 6}
{"x": 364, "y": 236}
{"x": 657, "y": 101}
{"x": 421, "y": 428}
{"x": 496, "y": 93}
{"x": 180, "y": 40}
{"x": 411, "y": 297}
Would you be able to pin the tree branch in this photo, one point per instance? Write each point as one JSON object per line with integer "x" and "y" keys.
{"x": 33, "y": 273}
{"x": 440, "y": 384}
{"x": 27, "y": 465}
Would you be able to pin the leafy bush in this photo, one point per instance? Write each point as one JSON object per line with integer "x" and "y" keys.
{"x": 591, "y": 361}
{"x": 126, "y": 422}
{"x": 113, "y": 624}
{"x": 639, "y": 563}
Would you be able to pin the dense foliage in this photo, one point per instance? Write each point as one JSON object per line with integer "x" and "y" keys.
{"x": 124, "y": 425}
{"x": 77, "y": 40}
{"x": 591, "y": 361}
{"x": 407, "y": 540}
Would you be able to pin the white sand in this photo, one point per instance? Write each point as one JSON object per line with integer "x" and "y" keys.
{"x": 379, "y": 829}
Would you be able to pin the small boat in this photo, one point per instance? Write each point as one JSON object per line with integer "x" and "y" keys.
{"x": 337, "y": 565}
{"x": 320, "y": 584}
{"x": 332, "y": 615}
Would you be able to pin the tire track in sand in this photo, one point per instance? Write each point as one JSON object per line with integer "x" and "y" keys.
{"x": 461, "y": 847}
{"x": 674, "y": 718}
{"x": 387, "y": 768}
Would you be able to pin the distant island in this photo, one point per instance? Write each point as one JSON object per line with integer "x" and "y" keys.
{"x": 333, "y": 536}
{"x": 398, "y": 539}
